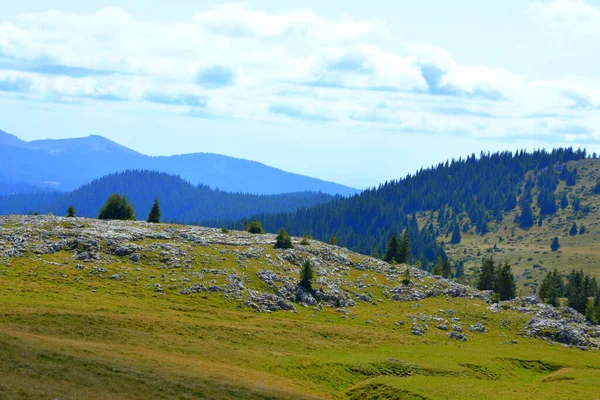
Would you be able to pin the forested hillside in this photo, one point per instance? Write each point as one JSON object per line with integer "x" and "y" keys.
{"x": 180, "y": 201}
{"x": 465, "y": 195}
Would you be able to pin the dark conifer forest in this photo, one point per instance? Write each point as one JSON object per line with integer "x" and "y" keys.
{"x": 470, "y": 193}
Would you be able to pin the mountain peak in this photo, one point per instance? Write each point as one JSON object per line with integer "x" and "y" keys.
{"x": 9, "y": 139}
{"x": 91, "y": 143}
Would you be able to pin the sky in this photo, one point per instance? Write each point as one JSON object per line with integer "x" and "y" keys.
{"x": 349, "y": 91}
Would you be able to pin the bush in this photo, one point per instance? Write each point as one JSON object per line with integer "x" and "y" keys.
{"x": 307, "y": 276}
{"x": 256, "y": 228}
{"x": 71, "y": 212}
{"x": 283, "y": 241}
{"x": 117, "y": 207}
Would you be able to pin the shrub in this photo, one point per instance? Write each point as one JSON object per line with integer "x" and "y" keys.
{"x": 71, "y": 212}
{"x": 256, "y": 228}
{"x": 307, "y": 276}
{"x": 117, "y": 207}
{"x": 283, "y": 241}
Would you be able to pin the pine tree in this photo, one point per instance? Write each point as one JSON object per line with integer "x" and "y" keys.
{"x": 333, "y": 240}
{"x": 505, "y": 284}
{"x": 564, "y": 201}
{"x": 403, "y": 254}
{"x": 526, "y": 219}
{"x": 446, "y": 268}
{"x": 552, "y": 288}
{"x": 487, "y": 275}
{"x": 283, "y": 240}
{"x": 438, "y": 268}
{"x": 307, "y": 276}
{"x": 392, "y": 249}
{"x": 573, "y": 231}
{"x": 455, "y": 235}
{"x": 555, "y": 245}
{"x": 581, "y": 229}
{"x": 117, "y": 207}
{"x": 71, "y": 212}
{"x": 154, "y": 215}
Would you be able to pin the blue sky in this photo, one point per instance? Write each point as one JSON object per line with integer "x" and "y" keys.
{"x": 350, "y": 91}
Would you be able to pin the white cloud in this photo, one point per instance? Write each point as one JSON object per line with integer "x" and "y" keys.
{"x": 237, "y": 62}
{"x": 570, "y": 17}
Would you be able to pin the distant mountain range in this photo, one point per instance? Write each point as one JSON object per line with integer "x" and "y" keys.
{"x": 180, "y": 201}
{"x": 66, "y": 164}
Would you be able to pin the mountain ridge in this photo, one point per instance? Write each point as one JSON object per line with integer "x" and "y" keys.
{"x": 70, "y": 163}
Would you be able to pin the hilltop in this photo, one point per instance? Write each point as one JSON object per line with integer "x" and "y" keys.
{"x": 180, "y": 200}
{"x": 66, "y": 164}
{"x": 131, "y": 310}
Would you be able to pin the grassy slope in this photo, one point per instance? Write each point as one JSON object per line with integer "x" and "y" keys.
{"x": 529, "y": 251}
{"x": 66, "y": 334}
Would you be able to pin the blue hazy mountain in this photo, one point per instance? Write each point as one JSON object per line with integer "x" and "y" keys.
{"x": 66, "y": 164}
{"x": 180, "y": 201}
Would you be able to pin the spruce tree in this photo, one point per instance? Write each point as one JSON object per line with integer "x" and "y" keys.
{"x": 283, "y": 240}
{"x": 154, "y": 215}
{"x": 552, "y": 288}
{"x": 526, "y": 219}
{"x": 392, "y": 249}
{"x": 455, "y": 235}
{"x": 505, "y": 284}
{"x": 333, "y": 240}
{"x": 307, "y": 276}
{"x": 573, "y": 231}
{"x": 555, "y": 245}
{"x": 446, "y": 268}
{"x": 71, "y": 212}
{"x": 403, "y": 254}
{"x": 487, "y": 275}
{"x": 438, "y": 268}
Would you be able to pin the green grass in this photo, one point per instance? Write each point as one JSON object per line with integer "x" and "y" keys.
{"x": 67, "y": 334}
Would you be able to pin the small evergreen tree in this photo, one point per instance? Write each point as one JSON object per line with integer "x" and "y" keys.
{"x": 555, "y": 245}
{"x": 333, "y": 240}
{"x": 526, "y": 219}
{"x": 117, "y": 207}
{"x": 438, "y": 267}
{"x": 307, "y": 276}
{"x": 446, "y": 268}
{"x": 564, "y": 201}
{"x": 154, "y": 215}
{"x": 403, "y": 254}
{"x": 406, "y": 277}
{"x": 283, "y": 240}
{"x": 455, "y": 235}
{"x": 256, "y": 228}
{"x": 71, "y": 212}
{"x": 573, "y": 231}
{"x": 552, "y": 288}
{"x": 505, "y": 285}
{"x": 581, "y": 229}
{"x": 392, "y": 249}
{"x": 487, "y": 274}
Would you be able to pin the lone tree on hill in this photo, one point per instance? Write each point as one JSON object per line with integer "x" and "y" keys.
{"x": 71, "y": 212}
{"x": 117, "y": 207}
{"x": 307, "y": 276}
{"x": 154, "y": 215}
{"x": 283, "y": 241}
{"x": 555, "y": 245}
{"x": 256, "y": 227}
{"x": 333, "y": 240}
{"x": 403, "y": 255}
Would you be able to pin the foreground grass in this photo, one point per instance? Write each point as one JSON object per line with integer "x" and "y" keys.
{"x": 66, "y": 334}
